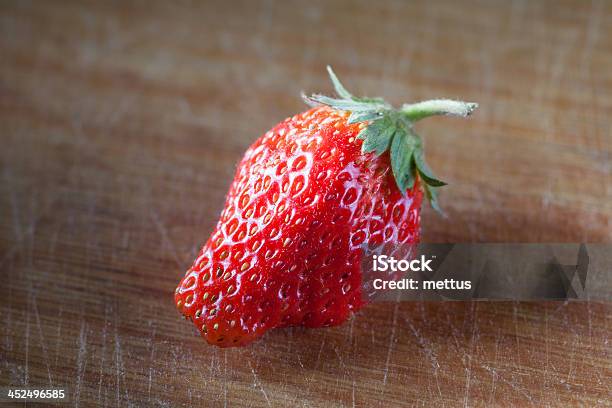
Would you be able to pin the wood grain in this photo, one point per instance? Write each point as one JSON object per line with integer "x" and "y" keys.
{"x": 120, "y": 127}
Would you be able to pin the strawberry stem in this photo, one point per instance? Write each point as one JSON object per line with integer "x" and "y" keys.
{"x": 420, "y": 110}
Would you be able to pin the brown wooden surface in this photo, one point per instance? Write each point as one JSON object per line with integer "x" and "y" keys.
{"x": 120, "y": 127}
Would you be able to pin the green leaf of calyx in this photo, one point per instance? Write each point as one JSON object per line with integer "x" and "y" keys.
{"x": 344, "y": 94}
{"x": 425, "y": 171}
{"x": 348, "y": 102}
{"x": 402, "y": 148}
{"x": 357, "y": 117}
{"x": 377, "y": 136}
{"x": 432, "y": 197}
{"x": 341, "y": 104}
{"x": 340, "y": 89}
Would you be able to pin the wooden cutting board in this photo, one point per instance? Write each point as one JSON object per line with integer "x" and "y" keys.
{"x": 120, "y": 127}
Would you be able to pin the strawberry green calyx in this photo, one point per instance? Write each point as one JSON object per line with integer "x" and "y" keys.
{"x": 392, "y": 129}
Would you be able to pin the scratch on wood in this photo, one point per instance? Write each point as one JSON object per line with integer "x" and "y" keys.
{"x": 119, "y": 365}
{"x": 516, "y": 331}
{"x": 546, "y": 348}
{"x": 494, "y": 373}
{"x": 59, "y": 334}
{"x": 28, "y": 234}
{"x": 103, "y": 352}
{"x": 151, "y": 360}
{"x": 391, "y": 339}
{"x": 257, "y": 384}
{"x": 8, "y": 343}
{"x": 428, "y": 351}
{"x": 41, "y": 338}
{"x": 163, "y": 232}
{"x": 225, "y": 382}
{"x": 468, "y": 368}
{"x": 510, "y": 383}
{"x": 320, "y": 351}
{"x": 27, "y": 344}
{"x": 81, "y": 361}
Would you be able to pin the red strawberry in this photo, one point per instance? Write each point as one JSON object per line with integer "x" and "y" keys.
{"x": 308, "y": 198}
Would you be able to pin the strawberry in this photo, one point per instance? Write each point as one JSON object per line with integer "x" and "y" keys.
{"x": 309, "y": 199}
